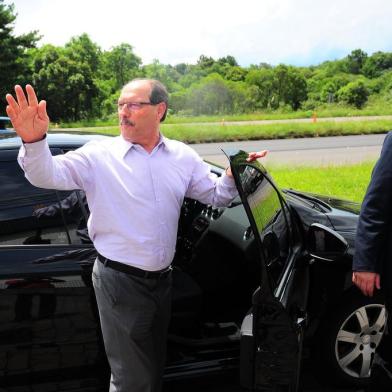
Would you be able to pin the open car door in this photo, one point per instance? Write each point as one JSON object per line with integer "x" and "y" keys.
{"x": 271, "y": 336}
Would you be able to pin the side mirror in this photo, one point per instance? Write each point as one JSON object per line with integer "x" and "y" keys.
{"x": 325, "y": 244}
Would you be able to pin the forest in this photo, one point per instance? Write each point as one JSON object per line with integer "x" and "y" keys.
{"x": 82, "y": 81}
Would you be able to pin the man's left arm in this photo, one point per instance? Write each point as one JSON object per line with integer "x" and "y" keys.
{"x": 208, "y": 188}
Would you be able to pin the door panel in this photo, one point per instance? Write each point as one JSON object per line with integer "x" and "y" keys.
{"x": 277, "y": 344}
{"x": 48, "y": 313}
{"x": 276, "y": 333}
{"x": 49, "y": 321}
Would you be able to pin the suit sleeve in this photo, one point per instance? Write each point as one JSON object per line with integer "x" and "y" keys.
{"x": 376, "y": 213}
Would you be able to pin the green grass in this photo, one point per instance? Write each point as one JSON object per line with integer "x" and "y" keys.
{"x": 376, "y": 108}
{"x": 216, "y": 133}
{"x": 193, "y": 133}
{"x": 322, "y": 112}
{"x": 347, "y": 182}
{"x": 239, "y": 117}
{"x": 109, "y": 122}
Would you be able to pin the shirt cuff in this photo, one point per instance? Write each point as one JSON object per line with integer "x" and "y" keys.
{"x": 34, "y": 148}
{"x": 228, "y": 181}
{"x": 31, "y": 150}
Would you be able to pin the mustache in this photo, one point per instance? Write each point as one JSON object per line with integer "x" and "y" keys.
{"x": 126, "y": 121}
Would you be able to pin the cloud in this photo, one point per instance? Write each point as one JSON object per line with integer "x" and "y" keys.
{"x": 299, "y": 32}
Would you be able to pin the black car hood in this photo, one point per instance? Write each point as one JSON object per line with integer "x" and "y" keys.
{"x": 341, "y": 204}
{"x": 341, "y": 215}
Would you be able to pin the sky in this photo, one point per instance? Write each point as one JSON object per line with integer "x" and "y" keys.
{"x": 296, "y": 32}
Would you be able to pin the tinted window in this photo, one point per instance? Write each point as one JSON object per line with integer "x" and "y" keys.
{"x": 270, "y": 216}
{"x": 31, "y": 215}
{"x": 72, "y": 208}
{"x": 14, "y": 187}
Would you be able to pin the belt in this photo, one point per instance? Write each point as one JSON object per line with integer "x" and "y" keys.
{"x": 128, "y": 269}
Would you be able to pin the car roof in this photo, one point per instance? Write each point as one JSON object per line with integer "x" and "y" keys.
{"x": 3, "y": 122}
{"x": 11, "y": 141}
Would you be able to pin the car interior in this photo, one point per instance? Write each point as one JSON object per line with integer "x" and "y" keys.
{"x": 215, "y": 273}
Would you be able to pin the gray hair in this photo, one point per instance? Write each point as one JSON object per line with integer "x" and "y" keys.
{"x": 158, "y": 92}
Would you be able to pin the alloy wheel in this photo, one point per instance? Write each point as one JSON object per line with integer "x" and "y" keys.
{"x": 357, "y": 339}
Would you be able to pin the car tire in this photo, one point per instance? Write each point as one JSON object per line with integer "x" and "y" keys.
{"x": 348, "y": 338}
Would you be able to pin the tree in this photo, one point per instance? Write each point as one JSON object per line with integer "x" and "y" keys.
{"x": 230, "y": 60}
{"x": 121, "y": 64}
{"x": 280, "y": 85}
{"x": 66, "y": 83}
{"x": 331, "y": 68}
{"x": 355, "y": 61}
{"x": 377, "y": 63}
{"x": 210, "y": 96}
{"x": 330, "y": 86}
{"x": 244, "y": 97}
{"x": 182, "y": 68}
{"x": 86, "y": 55}
{"x": 205, "y": 61}
{"x": 295, "y": 91}
{"x": 166, "y": 74}
{"x": 355, "y": 93}
{"x": 263, "y": 80}
{"x": 14, "y": 61}
{"x": 236, "y": 74}
{"x": 82, "y": 50}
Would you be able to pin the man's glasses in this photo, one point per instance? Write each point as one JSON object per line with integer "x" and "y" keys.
{"x": 133, "y": 106}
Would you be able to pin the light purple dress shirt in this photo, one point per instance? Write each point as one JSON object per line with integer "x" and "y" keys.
{"x": 134, "y": 197}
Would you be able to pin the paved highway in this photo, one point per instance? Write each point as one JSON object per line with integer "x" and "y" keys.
{"x": 335, "y": 150}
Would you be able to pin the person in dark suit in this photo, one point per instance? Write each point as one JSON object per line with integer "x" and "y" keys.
{"x": 372, "y": 263}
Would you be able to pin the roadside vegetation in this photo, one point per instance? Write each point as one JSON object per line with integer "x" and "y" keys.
{"x": 202, "y": 133}
{"x": 81, "y": 82}
{"x": 323, "y": 111}
{"x": 347, "y": 182}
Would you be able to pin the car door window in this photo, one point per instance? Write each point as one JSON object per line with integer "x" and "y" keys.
{"x": 65, "y": 220}
{"x": 271, "y": 218}
{"x": 31, "y": 215}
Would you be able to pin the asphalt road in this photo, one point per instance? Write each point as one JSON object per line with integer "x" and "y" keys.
{"x": 303, "y": 151}
{"x": 334, "y": 150}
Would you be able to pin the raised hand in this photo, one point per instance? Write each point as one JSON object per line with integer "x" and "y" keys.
{"x": 28, "y": 117}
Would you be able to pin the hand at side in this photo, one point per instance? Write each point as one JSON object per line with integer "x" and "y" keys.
{"x": 366, "y": 281}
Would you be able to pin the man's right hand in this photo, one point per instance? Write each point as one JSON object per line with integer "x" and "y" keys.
{"x": 28, "y": 117}
{"x": 366, "y": 281}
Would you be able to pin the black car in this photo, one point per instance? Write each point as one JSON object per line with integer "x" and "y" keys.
{"x": 4, "y": 126}
{"x": 257, "y": 285}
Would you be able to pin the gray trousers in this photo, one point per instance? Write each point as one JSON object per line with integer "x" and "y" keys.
{"x": 134, "y": 314}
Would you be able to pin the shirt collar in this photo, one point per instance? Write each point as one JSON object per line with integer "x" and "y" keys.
{"x": 124, "y": 145}
{"x": 166, "y": 142}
